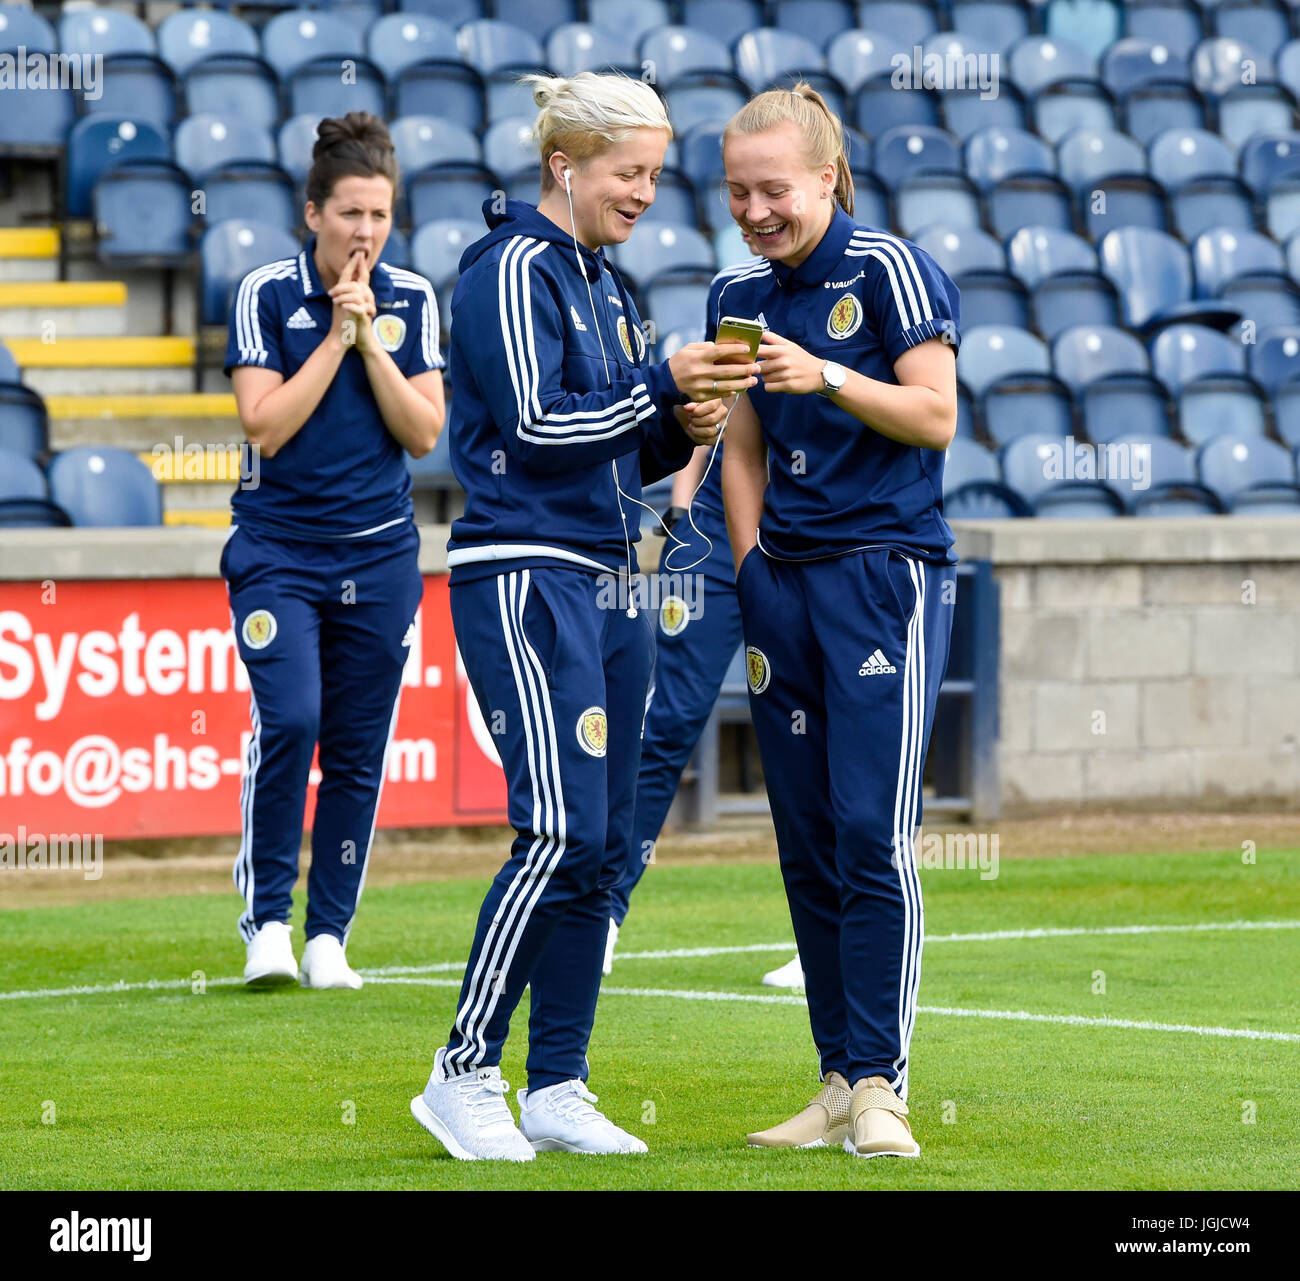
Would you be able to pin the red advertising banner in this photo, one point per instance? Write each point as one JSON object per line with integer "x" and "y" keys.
{"x": 124, "y": 711}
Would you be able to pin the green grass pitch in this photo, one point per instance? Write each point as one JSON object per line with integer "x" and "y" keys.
{"x": 166, "y": 1087}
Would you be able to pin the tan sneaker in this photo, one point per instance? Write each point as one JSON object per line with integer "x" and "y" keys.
{"x": 879, "y": 1122}
{"x": 823, "y": 1123}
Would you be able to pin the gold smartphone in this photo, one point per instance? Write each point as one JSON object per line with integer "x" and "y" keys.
{"x": 733, "y": 329}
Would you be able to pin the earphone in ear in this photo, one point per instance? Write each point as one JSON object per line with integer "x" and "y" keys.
{"x": 567, "y": 182}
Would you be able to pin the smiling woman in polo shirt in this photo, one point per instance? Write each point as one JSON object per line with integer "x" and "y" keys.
{"x": 336, "y": 369}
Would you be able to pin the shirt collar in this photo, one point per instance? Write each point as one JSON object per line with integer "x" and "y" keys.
{"x": 381, "y": 283}
{"x": 830, "y": 249}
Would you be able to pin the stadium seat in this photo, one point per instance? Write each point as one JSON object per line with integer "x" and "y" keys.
{"x": 1288, "y": 65}
{"x": 1119, "y": 403}
{"x": 1094, "y": 25}
{"x": 961, "y": 249}
{"x": 1268, "y": 500}
{"x": 438, "y": 244}
{"x": 449, "y": 191}
{"x": 1282, "y": 208}
{"x": 727, "y": 20}
{"x": 1218, "y": 65}
{"x": 1086, "y": 156}
{"x": 991, "y": 352}
{"x": 832, "y": 92}
{"x": 1225, "y": 253}
{"x": 674, "y": 201}
{"x": 487, "y": 45}
{"x": 854, "y": 57}
{"x": 1149, "y": 111}
{"x": 661, "y": 248}
{"x": 1038, "y": 61}
{"x": 1153, "y": 274}
{"x": 1154, "y": 465}
{"x": 1264, "y": 300}
{"x": 1230, "y": 465}
{"x": 143, "y": 213}
{"x": 967, "y": 426}
{"x": 1267, "y": 157}
{"x": 1286, "y": 413}
{"x": 870, "y": 200}
{"x": 509, "y": 147}
{"x": 936, "y": 197}
{"x": 698, "y": 97}
{"x": 701, "y": 156}
{"x": 968, "y": 111}
{"x": 958, "y": 55}
{"x": 630, "y": 18}
{"x": 291, "y": 40}
{"x": 677, "y": 304}
{"x": 1274, "y": 358}
{"x": 1181, "y": 353}
{"x": 35, "y": 122}
{"x": 1261, "y": 24}
{"x": 397, "y": 250}
{"x": 996, "y": 152}
{"x": 399, "y": 40}
{"x": 506, "y": 96}
{"x": 205, "y": 142}
{"x": 1202, "y": 204}
{"x": 294, "y": 142}
{"x": 233, "y": 85}
{"x": 1029, "y": 200}
{"x": 1253, "y": 109}
{"x": 540, "y": 17}
{"x": 20, "y": 477}
{"x": 1035, "y": 253}
{"x": 878, "y": 106}
{"x": 228, "y": 251}
{"x": 580, "y": 46}
{"x": 910, "y": 21}
{"x": 1130, "y": 63}
{"x": 1074, "y": 298}
{"x": 966, "y": 462}
{"x": 9, "y": 371}
{"x": 100, "y": 143}
{"x": 95, "y": 30}
{"x": 318, "y": 88}
{"x": 1206, "y": 404}
{"x": 33, "y": 513}
{"x": 1087, "y": 353}
{"x": 135, "y": 84}
{"x": 1072, "y": 104}
{"x": 1131, "y": 200}
{"x": 453, "y": 12}
{"x": 1024, "y": 404}
{"x": 1175, "y": 23}
{"x": 997, "y": 23}
{"x": 992, "y": 298}
{"x": 448, "y": 89}
{"x": 1079, "y": 500}
{"x": 984, "y": 500}
{"x": 765, "y": 54}
{"x": 251, "y": 189}
{"x": 24, "y": 423}
{"x": 915, "y": 149}
{"x": 1034, "y": 463}
{"x": 824, "y": 17}
{"x": 421, "y": 141}
{"x": 21, "y": 28}
{"x": 104, "y": 487}
{"x": 1179, "y": 155}
{"x": 675, "y": 50}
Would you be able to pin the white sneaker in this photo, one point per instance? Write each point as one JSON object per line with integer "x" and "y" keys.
{"x": 270, "y": 960}
{"x": 610, "y": 940}
{"x": 469, "y": 1116}
{"x": 789, "y": 975}
{"x": 560, "y": 1118}
{"x": 325, "y": 964}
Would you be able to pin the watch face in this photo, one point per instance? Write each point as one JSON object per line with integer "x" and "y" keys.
{"x": 833, "y": 375}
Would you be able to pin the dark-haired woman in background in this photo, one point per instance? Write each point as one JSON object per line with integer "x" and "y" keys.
{"x": 336, "y": 366}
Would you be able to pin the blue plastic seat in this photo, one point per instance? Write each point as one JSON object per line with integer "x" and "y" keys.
{"x": 233, "y": 85}
{"x": 421, "y": 141}
{"x": 1154, "y": 108}
{"x": 701, "y": 156}
{"x": 992, "y": 298}
{"x": 1230, "y": 464}
{"x": 580, "y": 46}
{"x": 1154, "y": 464}
{"x": 448, "y": 89}
{"x": 1034, "y": 253}
{"x": 675, "y": 50}
{"x": 984, "y": 500}
{"x": 1175, "y": 23}
{"x": 509, "y": 146}
{"x": 135, "y": 84}
{"x": 1179, "y": 155}
{"x": 1206, "y": 404}
{"x": 913, "y": 149}
{"x": 927, "y": 198}
{"x": 959, "y": 56}
{"x": 1029, "y": 200}
{"x": 1282, "y": 208}
{"x": 677, "y": 304}
{"x": 1131, "y": 200}
{"x": 455, "y": 190}
{"x": 228, "y": 251}
{"x": 22, "y": 28}
{"x": 1288, "y": 65}
{"x": 1072, "y": 104}
{"x": 961, "y": 249}
{"x": 1202, "y": 204}
{"x": 989, "y": 353}
{"x": 1274, "y": 357}
{"x": 996, "y": 152}
{"x": 1074, "y": 298}
{"x": 870, "y": 200}
{"x": 1038, "y": 61}
{"x": 437, "y": 246}
{"x": 1079, "y": 500}
{"x": 1217, "y": 65}
{"x": 854, "y": 57}
{"x": 453, "y": 12}
{"x": 24, "y": 423}
{"x": 998, "y": 23}
{"x": 878, "y": 106}
{"x": 291, "y": 40}
{"x": 966, "y": 462}
{"x": 1086, "y": 353}
{"x": 104, "y": 487}
{"x": 1253, "y": 109}
{"x": 1130, "y": 63}
{"x": 36, "y": 122}
{"x": 911, "y": 21}
{"x": 1258, "y": 23}
{"x": 701, "y": 96}
{"x": 631, "y": 18}
{"x": 1093, "y": 25}
{"x": 1153, "y": 274}
{"x": 967, "y": 427}
{"x": 540, "y": 17}
{"x": 1086, "y": 156}
{"x": 823, "y": 17}
{"x": 1286, "y": 413}
{"x": 1027, "y": 404}
{"x": 100, "y": 143}
{"x": 661, "y": 248}
{"x": 1183, "y": 352}
{"x": 1225, "y": 253}
{"x": 1265, "y": 300}
{"x": 1034, "y": 463}
{"x": 318, "y": 87}
{"x": 765, "y": 54}
{"x": 204, "y": 142}
{"x": 96, "y": 30}
{"x": 399, "y": 40}
{"x": 20, "y": 477}
{"x": 1268, "y": 157}
{"x": 1119, "y": 403}
{"x": 728, "y": 20}
{"x": 674, "y": 200}
{"x": 965, "y": 112}
{"x": 832, "y": 92}
{"x": 486, "y": 45}
{"x": 294, "y": 142}
{"x": 144, "y": 214}
{"x": 251, "y": 189}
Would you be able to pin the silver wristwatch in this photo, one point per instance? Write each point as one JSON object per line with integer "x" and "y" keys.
{"x": 832, "y": 379}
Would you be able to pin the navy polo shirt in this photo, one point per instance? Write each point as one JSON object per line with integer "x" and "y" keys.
{"x": 861, "y": 298}
{"x": 343, "y": 474}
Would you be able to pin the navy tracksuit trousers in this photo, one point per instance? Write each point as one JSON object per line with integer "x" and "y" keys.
{"x": 845, "y": 658}
{"x": 560, "y": 674}
{"x": 323, "y": 629}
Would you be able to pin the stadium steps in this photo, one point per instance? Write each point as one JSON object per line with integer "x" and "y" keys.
{"x": 140, "y": 422}
{"x": 29, "y": 253}
{"x": 110, "y": 366}
{"x": 62, "y": 308}
{"x": 196, "y": 480}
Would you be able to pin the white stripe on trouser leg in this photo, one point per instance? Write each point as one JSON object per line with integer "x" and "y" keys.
{"x": 919, "y": 582}
{"x": 905, "y": 795}
{"x": 244, "y": 878}
{"x": 502, "y": 938}
{"x": 374, "y": 818}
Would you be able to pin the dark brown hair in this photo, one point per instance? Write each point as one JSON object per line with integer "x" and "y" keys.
{"x": 357, "y": 145}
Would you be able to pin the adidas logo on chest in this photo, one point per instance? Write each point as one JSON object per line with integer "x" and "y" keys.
{"x": 301, "y": 319}
{"x": 877, "y": 665}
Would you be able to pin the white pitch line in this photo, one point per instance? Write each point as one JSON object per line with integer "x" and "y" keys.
{"x": 1200, "y": 927}
{"x": 101, "y": 989}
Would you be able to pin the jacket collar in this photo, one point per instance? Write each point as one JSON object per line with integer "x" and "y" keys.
{"x": 830, "y": 249}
